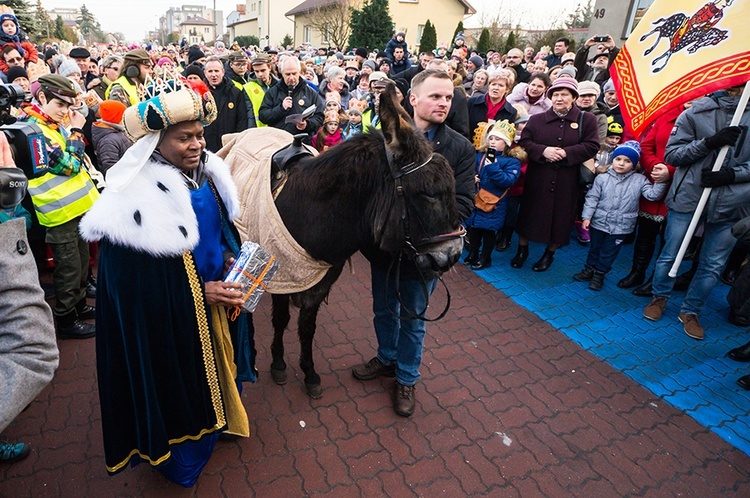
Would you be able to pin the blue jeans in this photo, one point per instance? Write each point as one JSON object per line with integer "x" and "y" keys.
{"x": 603, "y": 250}
{"x": 717, "y": 244}
{"x": 400, "y": 341}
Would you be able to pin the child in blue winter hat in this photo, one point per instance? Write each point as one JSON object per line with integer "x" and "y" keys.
{"x": 11, "y": 33}
{"x": 611, "y": 210}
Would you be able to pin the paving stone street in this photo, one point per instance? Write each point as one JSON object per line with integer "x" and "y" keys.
{"x": 508, "y": 404}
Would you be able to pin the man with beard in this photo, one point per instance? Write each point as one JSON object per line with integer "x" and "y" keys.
{"x": 514, "y": 60}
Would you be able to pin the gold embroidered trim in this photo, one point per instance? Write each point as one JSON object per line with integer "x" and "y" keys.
{"x": 205, "y": 336}
{"x": 163, "y": 458}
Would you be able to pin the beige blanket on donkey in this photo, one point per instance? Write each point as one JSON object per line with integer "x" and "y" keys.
{"x": 248, "y": 155}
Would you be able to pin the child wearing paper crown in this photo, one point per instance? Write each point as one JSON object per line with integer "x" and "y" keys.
{"x": 497, "y": 169}
{"x": 611, "y": 210}
{"x": 330, "y": 133}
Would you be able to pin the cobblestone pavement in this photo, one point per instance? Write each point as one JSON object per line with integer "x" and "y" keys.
{"x": 507, "y": 406}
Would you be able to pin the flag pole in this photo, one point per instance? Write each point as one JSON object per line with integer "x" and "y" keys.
{"x": 707, "y": 191}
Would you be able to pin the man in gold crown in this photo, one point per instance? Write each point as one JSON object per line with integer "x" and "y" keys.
{"x": 166, "y": 364}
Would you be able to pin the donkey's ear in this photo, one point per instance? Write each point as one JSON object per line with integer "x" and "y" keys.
{"x": 395, "y": 122}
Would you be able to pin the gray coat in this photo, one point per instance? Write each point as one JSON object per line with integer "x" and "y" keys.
{"x": 28, "y": 350}
{"x": 612, "y": 202}
{"x": 687, "y": 151}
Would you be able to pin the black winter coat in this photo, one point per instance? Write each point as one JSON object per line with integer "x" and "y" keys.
{"x": 233, "y": 115}
{"x": 478, "y": 112}
{"x": 303, "y": 96}
{"x": 110, "y": 144}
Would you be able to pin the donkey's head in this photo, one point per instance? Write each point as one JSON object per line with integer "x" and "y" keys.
{"x": 422, "y": 217}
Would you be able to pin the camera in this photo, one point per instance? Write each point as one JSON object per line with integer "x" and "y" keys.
{"x": 27, "y": 146}
{"x": 600, "y": 39}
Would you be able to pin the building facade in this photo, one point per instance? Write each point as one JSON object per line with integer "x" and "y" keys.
{"x": 409, "y": 16}
{"x": 617, "y": 18}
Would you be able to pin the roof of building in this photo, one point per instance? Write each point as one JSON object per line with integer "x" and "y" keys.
{"x": 309, "y": 5}
{"x": 197, "y": 21}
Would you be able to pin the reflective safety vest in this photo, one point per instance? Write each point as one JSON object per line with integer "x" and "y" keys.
{"x": 129, "y": 88}
{"x": 59, "y": 198}
{"x": 256, "y": 94}
{"x": 367, "y": 117}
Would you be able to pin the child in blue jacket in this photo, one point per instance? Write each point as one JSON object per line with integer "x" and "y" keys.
{"x": 497, "y": 169}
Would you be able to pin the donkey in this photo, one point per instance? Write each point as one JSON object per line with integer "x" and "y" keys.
{"x": 384, "y": 191}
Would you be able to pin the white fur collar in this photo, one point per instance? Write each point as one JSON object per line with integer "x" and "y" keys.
{"x": 153, "y": 213}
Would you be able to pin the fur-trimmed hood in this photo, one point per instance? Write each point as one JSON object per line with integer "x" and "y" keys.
{"x": 153, "y": 213}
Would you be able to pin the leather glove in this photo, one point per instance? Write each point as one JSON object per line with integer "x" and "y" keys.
{"x": 724, "y": 176}
{"x": 725, "y": 136}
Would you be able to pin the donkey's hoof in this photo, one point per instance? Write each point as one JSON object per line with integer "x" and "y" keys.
{"x": 278, "y": 376}
{"x": 314, "y": 390}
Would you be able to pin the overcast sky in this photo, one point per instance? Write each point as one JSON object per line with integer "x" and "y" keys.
{"x": 135, "y": 17}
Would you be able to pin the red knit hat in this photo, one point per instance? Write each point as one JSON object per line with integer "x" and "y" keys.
{"x": 111, "y": 111}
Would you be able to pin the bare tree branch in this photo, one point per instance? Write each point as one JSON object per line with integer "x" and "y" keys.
{"x": 333, "y": 19}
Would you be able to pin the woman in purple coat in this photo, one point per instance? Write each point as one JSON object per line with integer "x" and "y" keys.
{"x": 557, "y": 142}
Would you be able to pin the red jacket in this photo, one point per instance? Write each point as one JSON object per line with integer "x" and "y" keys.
{"x": 653, "y": 146}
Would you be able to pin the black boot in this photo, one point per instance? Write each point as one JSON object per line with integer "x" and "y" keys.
{"x": 741, "y": 353}
{"x": 734, "y": 264}
{"x": 584, "y": 275}
{"x": 644, "y": 290}
{"x": 504, "y": 238}
{"x": 84, "y": 311}
{"x": 597, "y": 281}
{"x": 70, "y": 327}
{"x": 520, "y": 258}
{"x": 547, "y": 258}
{"x": 485, "y": 261}
{"x": 474, "y": 239}
{"x": 473, "y": 256}
{"x": 682, "y": 282}
{"x": 642, "y": 252}
{"x": 91, "y": 285}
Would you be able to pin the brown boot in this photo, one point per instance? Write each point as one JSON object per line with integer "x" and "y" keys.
{"x": 404, "y": 400}
{"x": 373, "y": 369}
{"x": 655, "y": 309}
{"x": 691, "y": 326}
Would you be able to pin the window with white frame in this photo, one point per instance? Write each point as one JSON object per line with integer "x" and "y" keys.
{"x": 306, "y": 34}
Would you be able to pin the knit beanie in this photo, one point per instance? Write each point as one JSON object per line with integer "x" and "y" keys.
{"x": 195, "y": 53}
{"x": 477, "y": 61}
{"x": 630, "y": 149}
{"x": 371, "y": 64}
{"x": 68, "y": 67}
{"x": 609, "y": 86}
{"x": 193, "y": 69}
{"x": 362, "y": 52}
{"x": 459, "y": 36}
{"x": 614, "y": 129}
{"x": 568, "y": 71}
{"x": 16, "y": 72}
{"x": 111, "y": 111}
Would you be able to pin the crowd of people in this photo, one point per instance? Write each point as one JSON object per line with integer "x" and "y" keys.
{"x": 536, "y": 140}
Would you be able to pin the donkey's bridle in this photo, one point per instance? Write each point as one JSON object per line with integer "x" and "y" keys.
{"x": 413, "y": 249}
{"x": 410, "y": 247}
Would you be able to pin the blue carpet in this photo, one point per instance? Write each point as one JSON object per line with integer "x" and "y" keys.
{"x": 691, "y": 375}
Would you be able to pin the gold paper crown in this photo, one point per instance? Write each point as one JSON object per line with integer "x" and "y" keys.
{"x": 505, "y": 128}
{"x": 170, "y": 80}
{"x": 479, "y": 134}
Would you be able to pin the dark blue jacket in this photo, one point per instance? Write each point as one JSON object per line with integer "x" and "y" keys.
{"x": 495, "y": 177}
